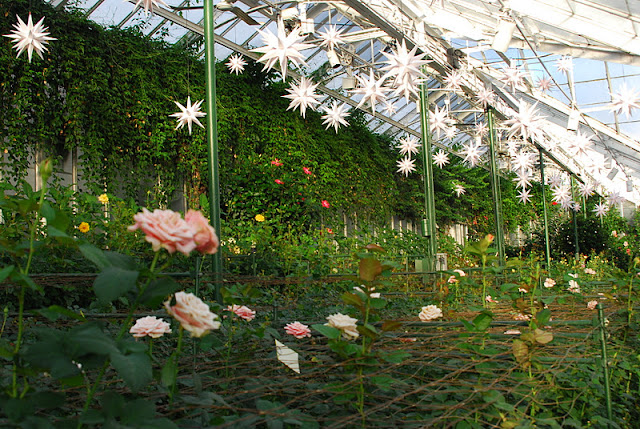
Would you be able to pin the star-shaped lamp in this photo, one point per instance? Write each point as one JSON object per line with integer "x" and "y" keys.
{"x": 282, "y": 48}
{"x": 189, "y": 114}
{"x": 30, "y": 37}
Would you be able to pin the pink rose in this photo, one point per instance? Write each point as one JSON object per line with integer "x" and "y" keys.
{"x": 245, "y": 312}
{"x": 591, "y": 305}
{"x": 165, "y": 229}
{"x": 279, "y": 182}
{"x": 325, "y": 204}
{"x": 298, "y": 330}
{"x": 276, "y": 162}
{"x": 193, "y": 314}
{"x": 306, "y": 170}
{"x": 205, "y": 236}
{"x": 151, "y": 326}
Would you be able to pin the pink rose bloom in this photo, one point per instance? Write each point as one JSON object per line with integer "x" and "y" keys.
{"x": 325, "y": 204}
{"x": 244, "y": 312}
{"x": 205, "y": 236}
{"x": 298, "y": 330}
{"x": 279, "y": 182}
{"x": 151, "y": 326}
{"x": 452, "y": 279}
{"x": 276, "y": 162}
{"x": 488, "y": 298}
{"x": 193, "y": 314}
{"x": 549, "y": 283}
{"x": 521, "y": 316}
{"x": 165, "y": 229}
{"x": 591, "y": 305}
{"x": 306, "y": 170}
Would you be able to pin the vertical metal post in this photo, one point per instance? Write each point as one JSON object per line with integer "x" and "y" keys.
{"x": 212, "y": 137}
{"x": 605, "y": 363}
{"x": 429, "y": 224}
{"x": 545, "y": 215}
{"x": 574, "y": 218}
{"x": 495, "y": 187}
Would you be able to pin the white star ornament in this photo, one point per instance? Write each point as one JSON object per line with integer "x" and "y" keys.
{"x": 30, "y": 37}
{"x": 189, "y": 114}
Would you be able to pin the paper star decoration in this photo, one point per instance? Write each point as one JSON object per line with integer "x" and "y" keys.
{"x": 189, "y": 114}
{"x": 522, "y": 179}
{"x": 564, "y": 64}
{"x": 554, "y": 180}
{"x": 472, "y": 153}
{"x": 454, "y": 81}
{"x": 513, "y": 77}
{"x": 523, "y": 161}
{"x": 302, "y": 96}
{"x": 236, "y": 64}
{"x": 459, "y": 190}
{"x": 404, "y": 68}
{"x": 581, "y": 143}
{"x": 372, "y": 90}
{"x": 485, "y": 96}
{"x": 440, "y": 158}
{"x": 525, "y": 122}
{"x": 624, "y": 101}
{"x": 576, "y": 207}
{"x": 601, "y": 209}
{"x": 149, "y": 4}
{"x": 585, "y": 189}
{"x": 451, "y": 132}
{"x": 409, "y": 146}
{"x": 30, "y": 37}
{"x": 282, "y": 48}
{"x": 614, "y": 197}
{"x": 544, "y": 84}
{"x": 331, "y": 38}
{"x": 389, "y": 108}
{"x": 287, "y": 356}
{"x": 524, "y": 196}
{"x": 335, "y": 115}
{"x": 406, "y": 165}
{"x": 481, "y": 129}
{"x": 439, "y": 121}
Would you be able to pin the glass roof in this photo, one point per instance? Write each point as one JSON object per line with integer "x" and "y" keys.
{"x": 586, "y": 51}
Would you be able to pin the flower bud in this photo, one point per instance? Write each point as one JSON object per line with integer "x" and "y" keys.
{"x": 46, "y": 169}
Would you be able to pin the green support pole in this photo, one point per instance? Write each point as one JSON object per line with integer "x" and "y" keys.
{"x": 212, "y": 138}
{"x": 605, "y": 363}
{"x": 429, "y": 223}
{"x": 544, "y": 211}
{"x": 495, "y": 187}
{"x": 575, "y": 222}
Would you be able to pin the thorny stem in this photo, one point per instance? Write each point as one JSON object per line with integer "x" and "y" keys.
{"x": 176, "y": 357}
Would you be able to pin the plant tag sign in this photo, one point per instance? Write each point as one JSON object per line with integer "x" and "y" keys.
{"x": 287, "y": 356}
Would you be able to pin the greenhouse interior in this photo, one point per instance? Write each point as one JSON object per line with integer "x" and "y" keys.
{"x": 320, "y": 214}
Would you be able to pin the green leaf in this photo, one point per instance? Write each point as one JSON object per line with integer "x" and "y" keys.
{"x": 369, "y": 269}
{"x": 95, "y": 255}
{"x": 542, "y": 337}
{"x": 134, "y": 368}
{"x": 5, "y": 272}
{"x": 390, "y": 325}
{"x": 543, "y": 316}
{"x": 352, "y": 299}
{"x": 114, "y": 282}
{"x": 25, "y": 280}
{"x": 54, "y": 312}
{"x": 368, "y": 331}
{"x": 395, "y": 357}
{"x": 520, "y": 352}
{"x": 120, "y": 260}
{"x": 89, "y": 339}
{"x": 6, "y": 350}
{"x": 158, "y": 290}
{"x": 328, "y": 331}
{"x": 168, "y": 373}
{"x": 384, "y": 382}
{"x": 377, "y": 303}
{"x": 482, "y": 321}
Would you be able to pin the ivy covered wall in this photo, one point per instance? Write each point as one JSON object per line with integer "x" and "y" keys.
{"x": 108, "y": 94}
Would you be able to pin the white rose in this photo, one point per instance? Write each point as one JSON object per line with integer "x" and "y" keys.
{"x": 193, "y": 314}
{"x": 345, "y": 324}
{"x": 430, "y": 312}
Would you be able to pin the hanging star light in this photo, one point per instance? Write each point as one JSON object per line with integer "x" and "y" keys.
{"x": 454, "y": 81}
{"x": 409, "y": 146}
{"x": 451, "y": 133}
{"x": 440, "y": 158}
{"x": 554, "y": 180}
{"x": 302, "y": 95}
{"x": 525, "y": 121}
{"x": 625, "y": 100}
{"x": 335, "y": 115}
{"x": 282, "y": 49}
{"x": 614, "y": 198}
{"x": 149, "y": 4}
{"x": 472, "y": 153}
{"x": 580, "y": 144}
{"x": 372, "y": 90}
{"x": 576, "y": 207}
{"x": 485, "y": 96}
{"x": 459, "y": 189}
{"x": 481, "y": 129}
{"x": 30, "y": 37}
{"x": 406, "y": 165}
{"x": 188, "y": 114}
{"x": 524, "y": 196}
{"x": 404, "y": 67}
{"x": 564, "y": 64}
{"x": 523, "y": 179}
{"x": 585, "y": 189}
{"x": 389, "y": 108}
{"x": 601, "y": 209}
{"x": 439, "y": 121}
{"x": 236, "y": 64}
{"x": 331, "y": 38}
{"x": 513, "y": 77}
{"x": 522, "y": 161}
{"x": 513, "y": 148}
{"x": 562, "y": 196}
{"x": 544, "y": 84}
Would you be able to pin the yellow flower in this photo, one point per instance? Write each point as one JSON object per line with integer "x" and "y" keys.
{"x": 84, "y": 227}
{"x": 259, "y": 218}
{"x": 104, "y": 199}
